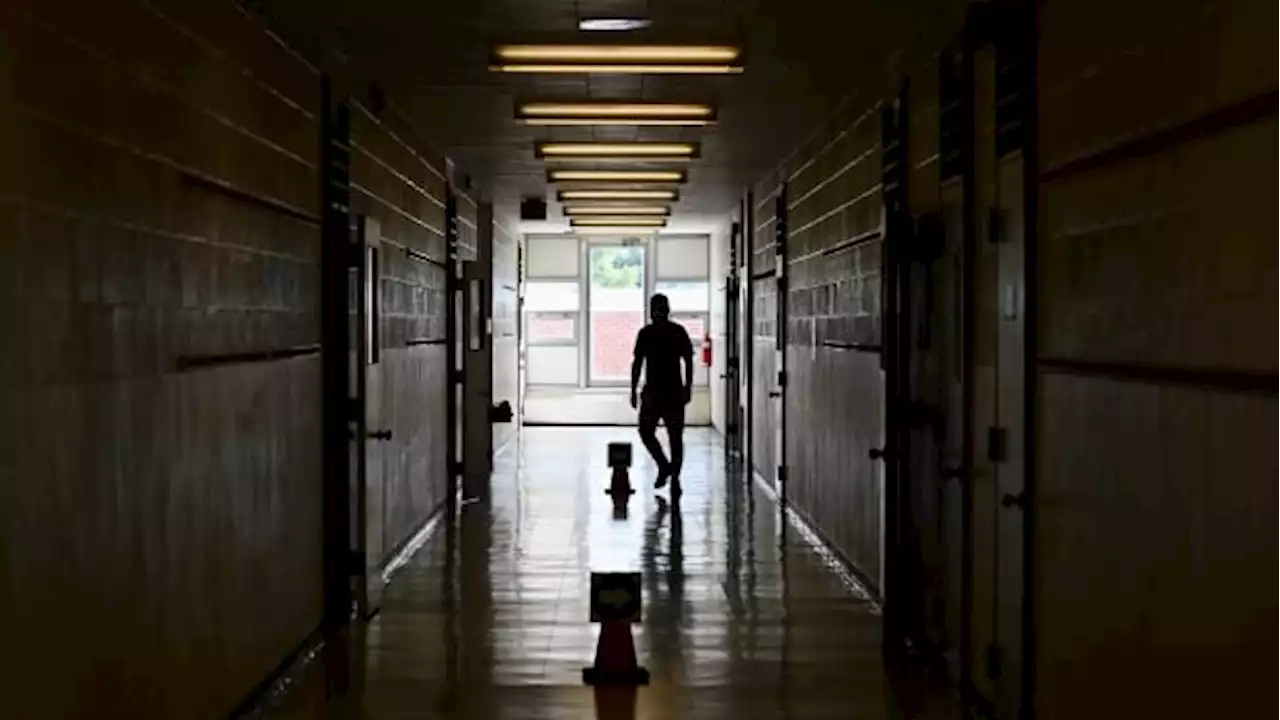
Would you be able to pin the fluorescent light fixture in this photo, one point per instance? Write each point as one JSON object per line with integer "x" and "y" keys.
{"x": 613, "y": 122}
{"x": 629, "y": 54}
{"x": 673, "y": 176}
{"x": 617, "y": 210}
{"x": 612, "y": 24}
{"x": 547, "y": 69}
{"x": 617, "y": 59}
{"x": 624, "y": 231}
{"x": 619, "y": 113}
{"x": 614, "y": 110}
{"x": 619, "y": 221}
{"x": 571, "y": 195}
{"x": 615, "y": 150}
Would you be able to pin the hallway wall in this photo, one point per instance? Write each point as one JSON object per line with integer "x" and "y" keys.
{"x": 401, "y": 182}
{"x": 1155, "y": 377}
{"x": 160, "y": 479}
{"x": 160, "y": 505}
{"x": 1156, "y": 541}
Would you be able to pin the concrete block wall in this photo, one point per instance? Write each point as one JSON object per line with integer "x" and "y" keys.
{"x": 160, "y": 495}
{"x": 399, "y": 181}
{"x": 161, "y": 520}
{"x": 1156, "y": 539}
{"x": 835, "y": 398}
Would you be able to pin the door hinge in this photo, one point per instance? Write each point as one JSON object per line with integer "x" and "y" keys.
{"x": 782, "y": 378}
{"x": 782, "y": 474}
{"x": 994, "y": 661}
{"x": 997, "y": 441}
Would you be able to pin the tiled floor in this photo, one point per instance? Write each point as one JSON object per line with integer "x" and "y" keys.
{"x": 489, "y": 619}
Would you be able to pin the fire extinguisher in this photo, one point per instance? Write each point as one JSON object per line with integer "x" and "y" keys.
{"x": 706, "y": 350}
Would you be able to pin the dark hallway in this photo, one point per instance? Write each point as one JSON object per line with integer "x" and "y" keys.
{"x": 324, "y": 313}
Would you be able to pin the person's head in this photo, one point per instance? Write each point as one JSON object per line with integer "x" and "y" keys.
{"x": 659, "y": 307}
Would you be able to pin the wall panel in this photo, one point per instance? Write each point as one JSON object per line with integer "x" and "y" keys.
{"x": 160, "y": 506}
{"x": 1155, "y": 544}
{"x": 401, "y": 182}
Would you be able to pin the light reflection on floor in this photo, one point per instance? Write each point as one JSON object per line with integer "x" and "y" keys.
{"x": 490, "y": 618}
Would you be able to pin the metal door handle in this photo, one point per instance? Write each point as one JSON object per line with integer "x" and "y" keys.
{"x": 379, "y": 435}
{"x": 775, "y": 393}
{"x": 952, "y": 472}
{"x": 879, "y": 453}
{"x": 1010, "y": 500}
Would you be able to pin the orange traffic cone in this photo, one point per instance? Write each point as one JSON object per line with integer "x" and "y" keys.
{"x": 615, "y": 657}
{"x": 620, "y": 485}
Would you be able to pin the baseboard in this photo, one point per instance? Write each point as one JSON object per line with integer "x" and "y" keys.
{"x": 276, "y": 684}
{"x": 854, "y": 580}
{"x": 399, "y": 557}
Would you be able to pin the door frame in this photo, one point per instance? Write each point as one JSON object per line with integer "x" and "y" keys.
{"x": 335, "y": 341}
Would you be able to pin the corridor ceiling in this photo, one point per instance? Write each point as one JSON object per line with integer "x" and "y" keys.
{"x": 432, "y": 57}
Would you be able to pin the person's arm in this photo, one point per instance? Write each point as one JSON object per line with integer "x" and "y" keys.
{"x": 688, "y": 368}
{"x": 637, "y": 362}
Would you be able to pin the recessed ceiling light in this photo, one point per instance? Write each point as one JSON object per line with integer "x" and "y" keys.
{"x": 617, "y": 175}
{"x": 617, "y": 210}
{"x": 566, "y": 195}
{"x": 601, "y": 149}
{"x": 619, "y": 221}
{"x": 612, "y": 24}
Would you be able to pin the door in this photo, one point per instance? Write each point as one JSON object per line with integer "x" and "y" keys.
{"x": 779, "y": 392}
{"x": 616, "y": 309}
{"x": 1014, "y": 92}
{"x": 999, "y": 95}
{"x": 478, "y": 366}
{"x": 908, "y": 512}
{"x": 369, "y": 433}
{"x": 732, "y": 363}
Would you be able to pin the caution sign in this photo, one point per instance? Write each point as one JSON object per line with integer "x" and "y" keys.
{"x": 615, "y": 597}
{"x": 619, "y": 455}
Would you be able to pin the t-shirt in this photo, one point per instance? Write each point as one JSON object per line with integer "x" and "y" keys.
{"x": 662, "y": 344}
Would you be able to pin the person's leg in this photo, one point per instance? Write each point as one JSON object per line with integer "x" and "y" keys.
{"x": 649, "y": 436}
{"x": 673, "y": 418}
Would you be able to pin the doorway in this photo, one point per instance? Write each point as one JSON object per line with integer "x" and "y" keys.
{"x": 585, "y": 298}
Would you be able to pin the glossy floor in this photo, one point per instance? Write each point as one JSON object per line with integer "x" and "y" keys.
{"x": 742, "y": 618}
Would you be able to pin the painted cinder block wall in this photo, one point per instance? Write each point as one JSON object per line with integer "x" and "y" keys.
{"x": 160, "y": 519}
{"x": 1155, "y": 377}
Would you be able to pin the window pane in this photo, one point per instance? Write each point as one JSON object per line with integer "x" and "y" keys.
{"x": 551, "y": 296}
{"x": 696, "y": 326}
{"x": 617, "y": 310}
{"x": 686, "y": 295}
{"x": 548, "y": 328}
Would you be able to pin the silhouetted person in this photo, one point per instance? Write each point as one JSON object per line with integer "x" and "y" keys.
{"x": 660, "y": 347}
